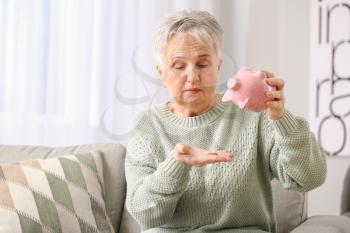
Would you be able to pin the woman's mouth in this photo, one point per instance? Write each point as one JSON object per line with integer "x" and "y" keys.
{"x": 193, "y": 89}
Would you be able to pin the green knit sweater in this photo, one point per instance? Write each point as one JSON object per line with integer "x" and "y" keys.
{"x": 164, "y": 195}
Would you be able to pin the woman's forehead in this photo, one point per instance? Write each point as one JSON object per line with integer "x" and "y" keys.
{"x": 190, "y": 55}
{"x": 188, "y": 46}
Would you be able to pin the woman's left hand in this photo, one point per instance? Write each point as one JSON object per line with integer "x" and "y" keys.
{"x": 275, "y": 105}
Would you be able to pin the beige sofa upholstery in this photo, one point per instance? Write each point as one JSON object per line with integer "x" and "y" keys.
{"x": 345, "y": 202}
{"x": 113, "y": 162}
{"x": 290, "y": 206}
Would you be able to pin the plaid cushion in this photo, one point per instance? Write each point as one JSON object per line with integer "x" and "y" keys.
{"x": 63, "y": 194}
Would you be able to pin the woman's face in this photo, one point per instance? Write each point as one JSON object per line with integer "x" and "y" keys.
{"x": 189, "y": 70}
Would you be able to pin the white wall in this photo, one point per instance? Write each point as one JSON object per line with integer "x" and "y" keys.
{"x": 279, "y": 41}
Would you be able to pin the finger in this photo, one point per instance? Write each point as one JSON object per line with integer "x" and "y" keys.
{"x": 208, "y": 159}
{"x": 277, "y": 95}
{"x": 268, "y": 74}
{"x": 211, "y": 158}
{"x": 226, "y": 154}
{"x": 182, "y": 148}
{"x": 275, "y": 104}
{"x": 220, "y": 156}
{"x": 194, "y": 161}
{"x": 277, "y": 82}
{"x": 221, "y": 153}
{"x": 196, "y": 151}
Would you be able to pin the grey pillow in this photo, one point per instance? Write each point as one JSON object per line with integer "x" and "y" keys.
{"x": 293, "y": 201}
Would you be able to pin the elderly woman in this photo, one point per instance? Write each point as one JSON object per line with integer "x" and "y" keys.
{"x": 198, "y": 164}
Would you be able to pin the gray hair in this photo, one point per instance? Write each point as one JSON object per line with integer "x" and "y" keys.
{"x": 200, "y": 24}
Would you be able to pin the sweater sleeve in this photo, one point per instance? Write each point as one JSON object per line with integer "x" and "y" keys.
{"x": 295, "y": 158}
{"x": 153, "y": 190}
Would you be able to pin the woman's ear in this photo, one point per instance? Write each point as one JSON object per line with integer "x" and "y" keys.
{"x": 219, "y": 65}
{"x": 159, "y": 69}
{"x": 160, "y": 72}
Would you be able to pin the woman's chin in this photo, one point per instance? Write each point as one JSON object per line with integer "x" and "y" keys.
{"x": 193, "y": 97}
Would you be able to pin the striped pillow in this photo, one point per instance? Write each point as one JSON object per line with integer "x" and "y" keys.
{"x": 62, "y": 194}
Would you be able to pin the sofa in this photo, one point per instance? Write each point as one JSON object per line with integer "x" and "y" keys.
{"x": 345, "y": 200}
{"x": 291, "y": 214}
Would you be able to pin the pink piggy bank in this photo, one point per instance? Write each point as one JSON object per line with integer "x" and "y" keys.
{"x": 247, "y": 89}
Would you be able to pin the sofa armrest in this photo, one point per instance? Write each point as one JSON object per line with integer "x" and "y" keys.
{"x": 324, "y": 224}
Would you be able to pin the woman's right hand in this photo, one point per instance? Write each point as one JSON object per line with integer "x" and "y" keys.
{"x": 198, "y": 157}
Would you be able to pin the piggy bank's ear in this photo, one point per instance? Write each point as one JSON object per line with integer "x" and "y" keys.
{"x": 227, "y": 96}
{"x": 233, "y": 83}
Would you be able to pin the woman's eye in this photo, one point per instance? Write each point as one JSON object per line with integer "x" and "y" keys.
{"x": 203, "y": 65}
{"x": 179, "y": 67}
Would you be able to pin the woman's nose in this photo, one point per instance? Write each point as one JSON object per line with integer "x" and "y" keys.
{"x": 192, "y": 75}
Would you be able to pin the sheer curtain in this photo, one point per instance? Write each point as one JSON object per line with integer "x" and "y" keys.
{"x": 78, "y": 71}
